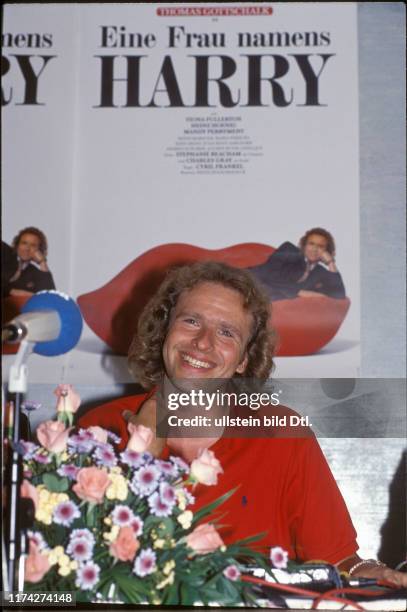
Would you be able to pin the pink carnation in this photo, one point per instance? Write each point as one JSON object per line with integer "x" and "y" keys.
{"x": 36, "y": 564}
{"x": 91, "y": 484}
{"x": 53, "y": 436}
{"x": 205, "y": 468}
{"x": 140, "y": 438}
{"x": 68, "y": 400}
{"x": 99, "y": 433}
{"x": 125, "y": 545}
{"x": 204, "y": 539}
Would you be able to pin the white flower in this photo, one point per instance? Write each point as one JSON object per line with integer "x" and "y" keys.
{"x": 145, "y": 563}
{"x": 158, "y": 506}
{"x": 232, "y": 572}
{"x": 122, "y": 515}
{"x": 65, "y": 513}
{"x": 80, "y": 549}
{"x": 87, "y": 576}
{"x": 167, "y": 493}
{"x": 167, "y": 468}
{"x": 145, "y": 480}
{"x": 132, "y": 458}
{"x": 83, "y": 533}
{"x": 180, "y": 463}
{"x": 278, "y": 557}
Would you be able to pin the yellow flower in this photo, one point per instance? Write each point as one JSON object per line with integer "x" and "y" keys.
{"x": 56, "y": 554}
{"x": 118, "y": 488}
{"x": 46, "y": 504}
{"x": 160, "y": 543}
{"x": 64, "y": 560}
{"x": 111, "y": 535}
{"x": 185, "y": 519}
{"x": 64, "y": 570}
{"x": 107, "y": 520}
{"x": 168, "y": 567}
{"x": 52, "y": 558}
{"x": 43, "y": 517}
{"x": 182, "y": 500}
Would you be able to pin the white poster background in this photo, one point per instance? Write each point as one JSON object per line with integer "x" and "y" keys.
{"x": 99, "y": 183}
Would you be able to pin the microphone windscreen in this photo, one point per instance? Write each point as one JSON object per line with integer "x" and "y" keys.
{"x": 69, "y": 314}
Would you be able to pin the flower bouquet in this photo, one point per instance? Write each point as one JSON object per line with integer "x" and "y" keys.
{"x": 116, "y": 526}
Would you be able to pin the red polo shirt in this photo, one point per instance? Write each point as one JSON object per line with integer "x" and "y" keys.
{"x": 286, "y": 489}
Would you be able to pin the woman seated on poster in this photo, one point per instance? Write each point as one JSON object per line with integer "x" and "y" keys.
{"x": 32, "y": 274}
{"x": 304, "y": 271}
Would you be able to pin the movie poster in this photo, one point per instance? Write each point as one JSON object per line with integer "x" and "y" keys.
{"x": 132, "y": 127}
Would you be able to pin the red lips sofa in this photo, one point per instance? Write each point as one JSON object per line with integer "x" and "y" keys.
{"x": 304, "y": 325}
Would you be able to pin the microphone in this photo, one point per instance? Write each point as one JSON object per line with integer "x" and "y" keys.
{"x": 51, "y": 320}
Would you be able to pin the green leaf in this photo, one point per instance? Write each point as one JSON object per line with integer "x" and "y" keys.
{"x": 55, "y": 484}
{"x": 151, "y": 521}
{"x": 250, "y": 539}
{"x": 132, "y": 589}
{"x": 90, "y": 514}
{"x": 58, "y": 535}
{"x": 210, "y": 507}
{"x": 188, "y": 595}
{"x": 171, "y": 596}
{"x": 165, "y": 527}
{"x": 229, "y": 590}
{"x": 209, "y": 595}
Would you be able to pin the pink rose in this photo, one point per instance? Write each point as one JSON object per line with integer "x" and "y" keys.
{"x": 140, "y": 438}
{"x": 36, "y": 564}
{"x": 91, "y": 484}
{"x": 28, "y": 490}
{"x": 204, "y": 539}
{"x": 99, "y": 433}
{"x": 68, "y": 400}
{"x": 125, "y": 545}
{"x": 53, "y": 436}
{"x": 205, "y": 468}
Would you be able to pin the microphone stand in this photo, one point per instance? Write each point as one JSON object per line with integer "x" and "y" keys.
{"x": 17, "y": 542}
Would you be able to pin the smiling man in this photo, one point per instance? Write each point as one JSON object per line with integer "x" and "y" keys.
{"x": 209, "y": 321}
{"x": 208, "y": 334}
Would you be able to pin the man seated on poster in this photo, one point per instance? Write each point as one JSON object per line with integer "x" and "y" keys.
{"x": 304, "y": 271}
{"x": 211, "y": 321}
{"x": 32, "y": 274}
